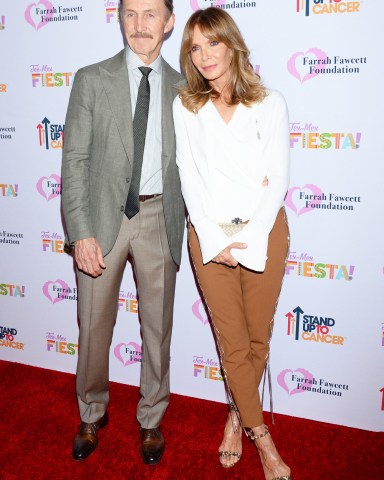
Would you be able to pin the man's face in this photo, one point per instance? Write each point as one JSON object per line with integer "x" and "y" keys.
{"x": 145, "y": 23}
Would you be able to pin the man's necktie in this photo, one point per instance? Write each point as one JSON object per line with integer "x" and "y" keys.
{"x": 139, "y": 131}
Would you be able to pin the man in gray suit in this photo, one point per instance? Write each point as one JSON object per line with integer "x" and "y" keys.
{"x": 102, "y": 174}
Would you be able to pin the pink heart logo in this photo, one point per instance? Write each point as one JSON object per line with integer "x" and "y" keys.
{"x": 49, "y": 187}
{"x": 51, "y": 289}
{"x": 128, "y": 353}
{"x": 195, "y": 4}
{"x": 282, "y": 381}
{"x": 32, "y": 15}
{"x": 314, "y": 53}
{"x": 291, "y": 198}
{"x": 199, "y": 312}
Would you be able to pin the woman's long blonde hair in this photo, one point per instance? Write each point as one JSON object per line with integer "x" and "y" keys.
{"x": 245, "y": 86}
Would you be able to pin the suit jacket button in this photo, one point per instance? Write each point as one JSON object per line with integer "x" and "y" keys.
{"x": 127, "y": 179}
{"x": 122, "y": 208}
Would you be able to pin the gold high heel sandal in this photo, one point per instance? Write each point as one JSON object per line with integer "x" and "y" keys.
{"x": 254, "y": 437}
{"x": 227, "y": 453}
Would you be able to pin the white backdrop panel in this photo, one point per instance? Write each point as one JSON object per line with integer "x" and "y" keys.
{"x": 324, "y": 56}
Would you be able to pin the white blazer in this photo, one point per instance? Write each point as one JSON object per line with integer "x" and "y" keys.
{"x": 222, "y": 167}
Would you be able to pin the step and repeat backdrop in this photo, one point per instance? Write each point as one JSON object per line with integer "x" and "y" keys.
{"x": 327, "y": 350}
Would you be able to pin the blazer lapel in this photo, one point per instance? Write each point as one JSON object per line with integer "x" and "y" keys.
{"x": 116, "y": 85}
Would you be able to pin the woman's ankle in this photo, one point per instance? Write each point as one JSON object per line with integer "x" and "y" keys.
{"x": 256, "y": 433}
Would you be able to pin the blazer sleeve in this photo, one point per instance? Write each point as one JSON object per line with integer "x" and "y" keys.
{"x": 76, "y": 161}
{"x": 276, "y": 163}
{"x": 212, "y": 239}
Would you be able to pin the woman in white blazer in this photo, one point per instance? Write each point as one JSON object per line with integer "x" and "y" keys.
{"x": 232, "y": 148}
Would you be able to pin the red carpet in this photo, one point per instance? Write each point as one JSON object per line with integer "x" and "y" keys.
{"x": 39, "y": 420}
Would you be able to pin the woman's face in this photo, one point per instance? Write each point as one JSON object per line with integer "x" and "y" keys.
{"x": 211, "y": 57}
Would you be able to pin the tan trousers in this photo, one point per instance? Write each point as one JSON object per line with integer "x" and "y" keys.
{"x": 144, "y": 238}
{"x": 242, "y": 305}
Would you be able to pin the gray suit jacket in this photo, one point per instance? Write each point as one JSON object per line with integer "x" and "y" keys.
{"x": 98, "y": 155}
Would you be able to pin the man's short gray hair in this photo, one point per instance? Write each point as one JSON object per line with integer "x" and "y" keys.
{"x": 168, "y": 5}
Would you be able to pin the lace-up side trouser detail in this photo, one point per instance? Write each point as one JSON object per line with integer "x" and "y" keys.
{"x": 242, "y": 305}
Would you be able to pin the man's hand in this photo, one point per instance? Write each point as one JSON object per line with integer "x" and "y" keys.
{"x": 225, "y": 256}
{"x": 89, "y": 257}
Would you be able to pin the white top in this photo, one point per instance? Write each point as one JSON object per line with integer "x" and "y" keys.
{"x": 222, "y": 168}
{"x": 151, "y": 180}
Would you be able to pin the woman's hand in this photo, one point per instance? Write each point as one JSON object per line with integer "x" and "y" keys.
{"x": 225, "y": 256}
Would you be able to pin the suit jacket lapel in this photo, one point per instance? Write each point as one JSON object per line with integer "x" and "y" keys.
{"x": 116, "y": 84}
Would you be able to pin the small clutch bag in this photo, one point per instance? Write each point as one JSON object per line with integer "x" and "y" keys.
{"x": 231, "y": 229}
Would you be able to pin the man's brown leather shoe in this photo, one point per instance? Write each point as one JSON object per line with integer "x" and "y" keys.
{"x": 152, "y": 445}
{"x": 86, "y": 438}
